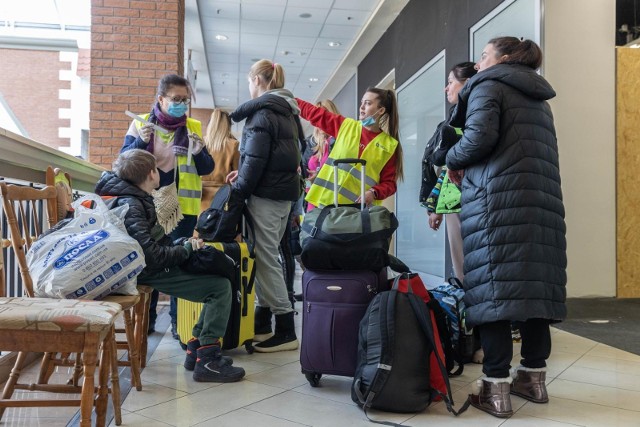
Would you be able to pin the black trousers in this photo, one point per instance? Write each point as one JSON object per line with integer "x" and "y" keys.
{"x": 498, "y": 345}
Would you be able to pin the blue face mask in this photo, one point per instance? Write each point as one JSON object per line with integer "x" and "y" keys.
{"x": 177, "y": 109}
{"x": 368, "y": 121}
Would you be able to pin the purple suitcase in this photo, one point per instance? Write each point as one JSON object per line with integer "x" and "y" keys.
{"x": 334, "y": 302}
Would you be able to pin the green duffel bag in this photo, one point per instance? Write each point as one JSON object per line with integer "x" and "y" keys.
{"x": 347, "y": 238}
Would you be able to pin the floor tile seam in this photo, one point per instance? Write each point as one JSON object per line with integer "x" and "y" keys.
{"x": 256, "y": 412}
{"x": 158, "y": 404}
{"x": 248, "y": 404}
{"x": 153, "y": 420}
{"x": 600, "y": 385}
{"x": 610, "y": 358}
{"x": 351, "y": 403}
{"x": 604, "y": 370}
{"x": 538, "y": 417}
{"x": 553, "y": 397}
{"x": 563, "y": 370}
{"x": 177, "y": 389}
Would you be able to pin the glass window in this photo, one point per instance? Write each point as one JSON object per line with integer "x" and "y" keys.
{"x": 421, "y": 105}
{"x": 518, "y": 18}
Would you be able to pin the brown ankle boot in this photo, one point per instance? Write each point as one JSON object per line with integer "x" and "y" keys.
{"x": 530, "y": 384}
{"x": 493, "y": 397}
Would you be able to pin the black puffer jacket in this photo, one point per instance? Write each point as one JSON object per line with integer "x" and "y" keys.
{"x": 269, "y": 150}
{"x": 512, "y": 211}
{"x": 142, "y": 223}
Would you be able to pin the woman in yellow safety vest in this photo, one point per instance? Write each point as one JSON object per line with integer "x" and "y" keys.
{"x": 171, "y": 151}
{"x": 373, "y": 138}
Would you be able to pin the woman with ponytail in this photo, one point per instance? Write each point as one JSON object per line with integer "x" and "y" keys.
{"x": 373, "y": 138}
{"x": 268, "y": 178}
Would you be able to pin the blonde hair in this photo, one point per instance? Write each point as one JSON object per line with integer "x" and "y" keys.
{"x": 218, "y": 131}
{"x": 318, "y": 134}
{"x": 270, "y": 72}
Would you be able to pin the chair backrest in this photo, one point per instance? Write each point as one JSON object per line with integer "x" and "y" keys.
{"x": 62, "y": 182}
{"x": 27, "y": 209}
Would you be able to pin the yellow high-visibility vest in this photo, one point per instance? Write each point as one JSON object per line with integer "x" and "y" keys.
{"x": 377, "y": 153}
{"x": 189, "y": 182}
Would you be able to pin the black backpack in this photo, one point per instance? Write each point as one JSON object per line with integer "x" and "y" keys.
{"x": 222, "y": 221}
{"x": 396, "y": 340}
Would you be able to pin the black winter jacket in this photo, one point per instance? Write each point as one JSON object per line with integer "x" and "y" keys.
{"x": 269, "y": 150}
{"x": 512, "y": 214}
{"x": 141, "y": 223}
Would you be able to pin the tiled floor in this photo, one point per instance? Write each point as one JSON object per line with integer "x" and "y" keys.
{"x": 590, "y": 384}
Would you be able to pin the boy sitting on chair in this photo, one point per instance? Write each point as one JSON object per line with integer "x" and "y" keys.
{"x": 133, "y": 179}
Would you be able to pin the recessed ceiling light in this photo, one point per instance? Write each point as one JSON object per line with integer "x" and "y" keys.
{"x": 313, "y": 79}
{"x": 334, "y": 44}
{"x": 225, "y": 75}
{"x": 224, "y": 99}
{"x": 255, "y": 59}
{"x": 305, "y": 15}
{"x": 221, "y": 37}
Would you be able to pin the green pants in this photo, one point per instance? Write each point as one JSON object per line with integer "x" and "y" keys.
{"x": 213, "y": 291}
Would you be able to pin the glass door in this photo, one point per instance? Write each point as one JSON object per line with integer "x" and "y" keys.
{"x": 421, "y": 105}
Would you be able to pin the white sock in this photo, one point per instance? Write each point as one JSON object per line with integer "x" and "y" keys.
{"x": 514, "y": 371}
{"x": 477, "y": 386}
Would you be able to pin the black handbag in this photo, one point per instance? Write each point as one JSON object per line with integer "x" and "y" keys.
{"x": 209, "y": 260}
{"x": 222, "y": 221}
{"x": 447, "y": 138}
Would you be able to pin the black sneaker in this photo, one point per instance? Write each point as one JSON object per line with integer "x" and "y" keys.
{"x": 211, "y": 367}
{"x": 284, "y": 338}
{"x": 192, "y": 349}
{"x": 278, "y": 342}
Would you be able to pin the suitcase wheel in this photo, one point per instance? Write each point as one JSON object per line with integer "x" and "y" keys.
{"x": 249, "y": 348}
{"x": 313, "y": 378}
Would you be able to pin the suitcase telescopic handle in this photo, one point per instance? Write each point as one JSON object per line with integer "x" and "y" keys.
{"x": 336, "y": 162}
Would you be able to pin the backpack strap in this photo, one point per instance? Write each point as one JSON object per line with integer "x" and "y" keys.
{"x": 386, "y": 310}
{"x": 441, "y": 322}
{"x": 424, "y": 318}
{"x": 455, "y": 282}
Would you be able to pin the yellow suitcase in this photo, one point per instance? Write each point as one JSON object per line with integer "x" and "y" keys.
{"x": 240, "y": 329}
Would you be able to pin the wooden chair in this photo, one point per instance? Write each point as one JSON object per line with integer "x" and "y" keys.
{"x": 132, "y": 305}
{"x": 54, "y": 326}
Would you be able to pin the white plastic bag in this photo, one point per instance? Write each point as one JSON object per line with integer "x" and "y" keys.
{"x": 89, "y": 258}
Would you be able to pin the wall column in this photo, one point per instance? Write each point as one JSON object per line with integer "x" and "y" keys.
{"x": 133, "y": 44}
{"x": 627, "y": 176}
{"x": 582, "y": 71}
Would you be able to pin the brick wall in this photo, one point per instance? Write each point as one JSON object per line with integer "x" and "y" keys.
{"x": 133, "y": 44}
{"x": 30, "y": 85}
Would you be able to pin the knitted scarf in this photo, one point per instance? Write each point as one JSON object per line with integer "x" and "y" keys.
{"x": 172, "y": 124}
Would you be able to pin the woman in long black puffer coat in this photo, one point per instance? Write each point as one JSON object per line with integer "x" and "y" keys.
{"x": 512, "y": 218}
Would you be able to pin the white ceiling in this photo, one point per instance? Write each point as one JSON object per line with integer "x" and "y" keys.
{"x": 275, "y": 30}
